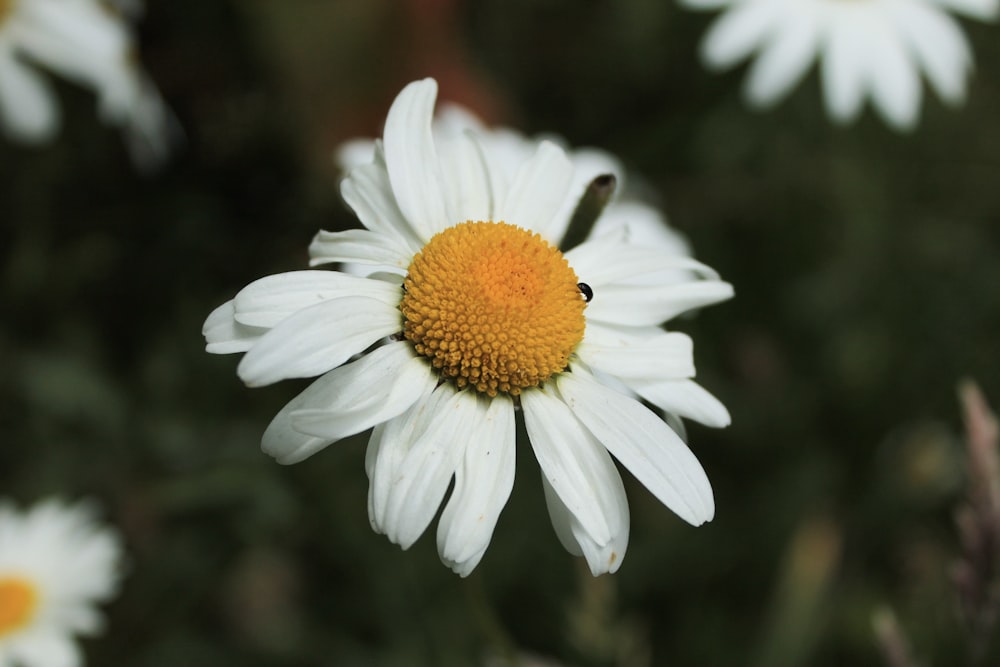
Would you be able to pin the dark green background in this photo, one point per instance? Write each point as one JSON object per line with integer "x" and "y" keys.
{"x": 867, "y": 284}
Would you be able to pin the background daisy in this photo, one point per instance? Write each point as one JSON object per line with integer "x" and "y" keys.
{"x": 57, "y": 563}
{"x": 89, "y": 43}
{"x": 867, "y": 49}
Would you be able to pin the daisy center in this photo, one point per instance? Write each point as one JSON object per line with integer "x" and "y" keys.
{"x": 493, "y": 306}
{"x": 18, "y": 599}
{"x": 5, "y": 7}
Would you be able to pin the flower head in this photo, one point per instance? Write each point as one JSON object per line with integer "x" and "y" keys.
{"x": 460, "y": 307}
{"x": 56, "y": 564}
{"x": 88, "y": 43}
{"x": 866, "y": 48}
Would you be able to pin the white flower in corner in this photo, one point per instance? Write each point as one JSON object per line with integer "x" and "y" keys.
{"x": 465, "y": 309}
{"x": 86, "y": 42}
{"x": 874, "y": 49}
{"x": 56, "y": 564}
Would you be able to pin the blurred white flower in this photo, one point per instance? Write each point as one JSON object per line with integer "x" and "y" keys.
{"x": 89, "y": 43}
{"x": 465, "y": 309}
{"x": 56, "y": 564}
{"x": 866, "y": 48}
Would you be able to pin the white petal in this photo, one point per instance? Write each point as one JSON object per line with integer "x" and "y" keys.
{"x": 666, "y": 355}
{"x": 85, "y": 44}
{"x": 785, "y": 59}
{"x": 643, "y": 226}
{"x": 372, "y": 453}
{"x": 466, "y": 179}
{"x": 644, "y": 444}
{"x": 360, "y": 246}
{"x": 843, "y": 67}
{"x": 582, "y": 476}
{"x": 603, "y": 333}
{"x": 50, "y": 649}
{"x": 317, "y": 339}
{"x": 377, "y": 387}
{"x": 354, "y": 153}
{"x": 369, "y": 194}
{"x": 27, "y": 106}
{"x": 504, "y": 152}
{"x": 604, "y": 260}
{"x": 538, "y": 191}
{"x": 420, "y": 478}
{"x": 483, "y": 482}
{"x": 984, "y": 10}
{"x": 224, "y": 335}
{"x": 640, "y": 305}
{"x": 387, "y": 448}
{"x": 588, "y": 164}
{"x": 412, "y": 160}
{"x": 348, "y": 400}
{"x": 453, "y": 119}
{"x": 562, "y": 519}
{"x": 895, "y": 85}
{"x": 601, "y": 559}
{"x": 685, "y": 398}
{"x": 738, "y": 32}
{"x": 939, "y": 45}
{"x": 286, "y": 444}
{"x": 268, "y": 301}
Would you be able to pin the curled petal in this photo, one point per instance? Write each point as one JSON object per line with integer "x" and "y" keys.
{"x": 584, "y": 491}
{"x": 483, "y": 481}
{"x": 224, "y": 335}
{"x": 416, "y": 458}
{"x": 348, "y": 400}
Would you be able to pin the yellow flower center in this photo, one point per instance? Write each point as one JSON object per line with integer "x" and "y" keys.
{"x": 18, "y": 600}
{"x": 5, "y": 7}
{"x": 493, "y": 306}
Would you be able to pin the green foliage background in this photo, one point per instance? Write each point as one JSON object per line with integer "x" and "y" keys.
{"x": 867, "y": 283}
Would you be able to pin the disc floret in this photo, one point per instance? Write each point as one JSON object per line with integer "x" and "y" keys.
{"x": 492, "y": 306}
{"x": 18, "y": 599}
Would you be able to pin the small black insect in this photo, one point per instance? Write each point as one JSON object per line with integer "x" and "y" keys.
{"x": 586, "y": 291}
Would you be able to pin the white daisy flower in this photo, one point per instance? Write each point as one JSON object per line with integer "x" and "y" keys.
{"x": 56, "y": 564}
{"x": 90, "y": 44}
{"x": 867, "y": 48}
{"x": 468, "y": 311}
